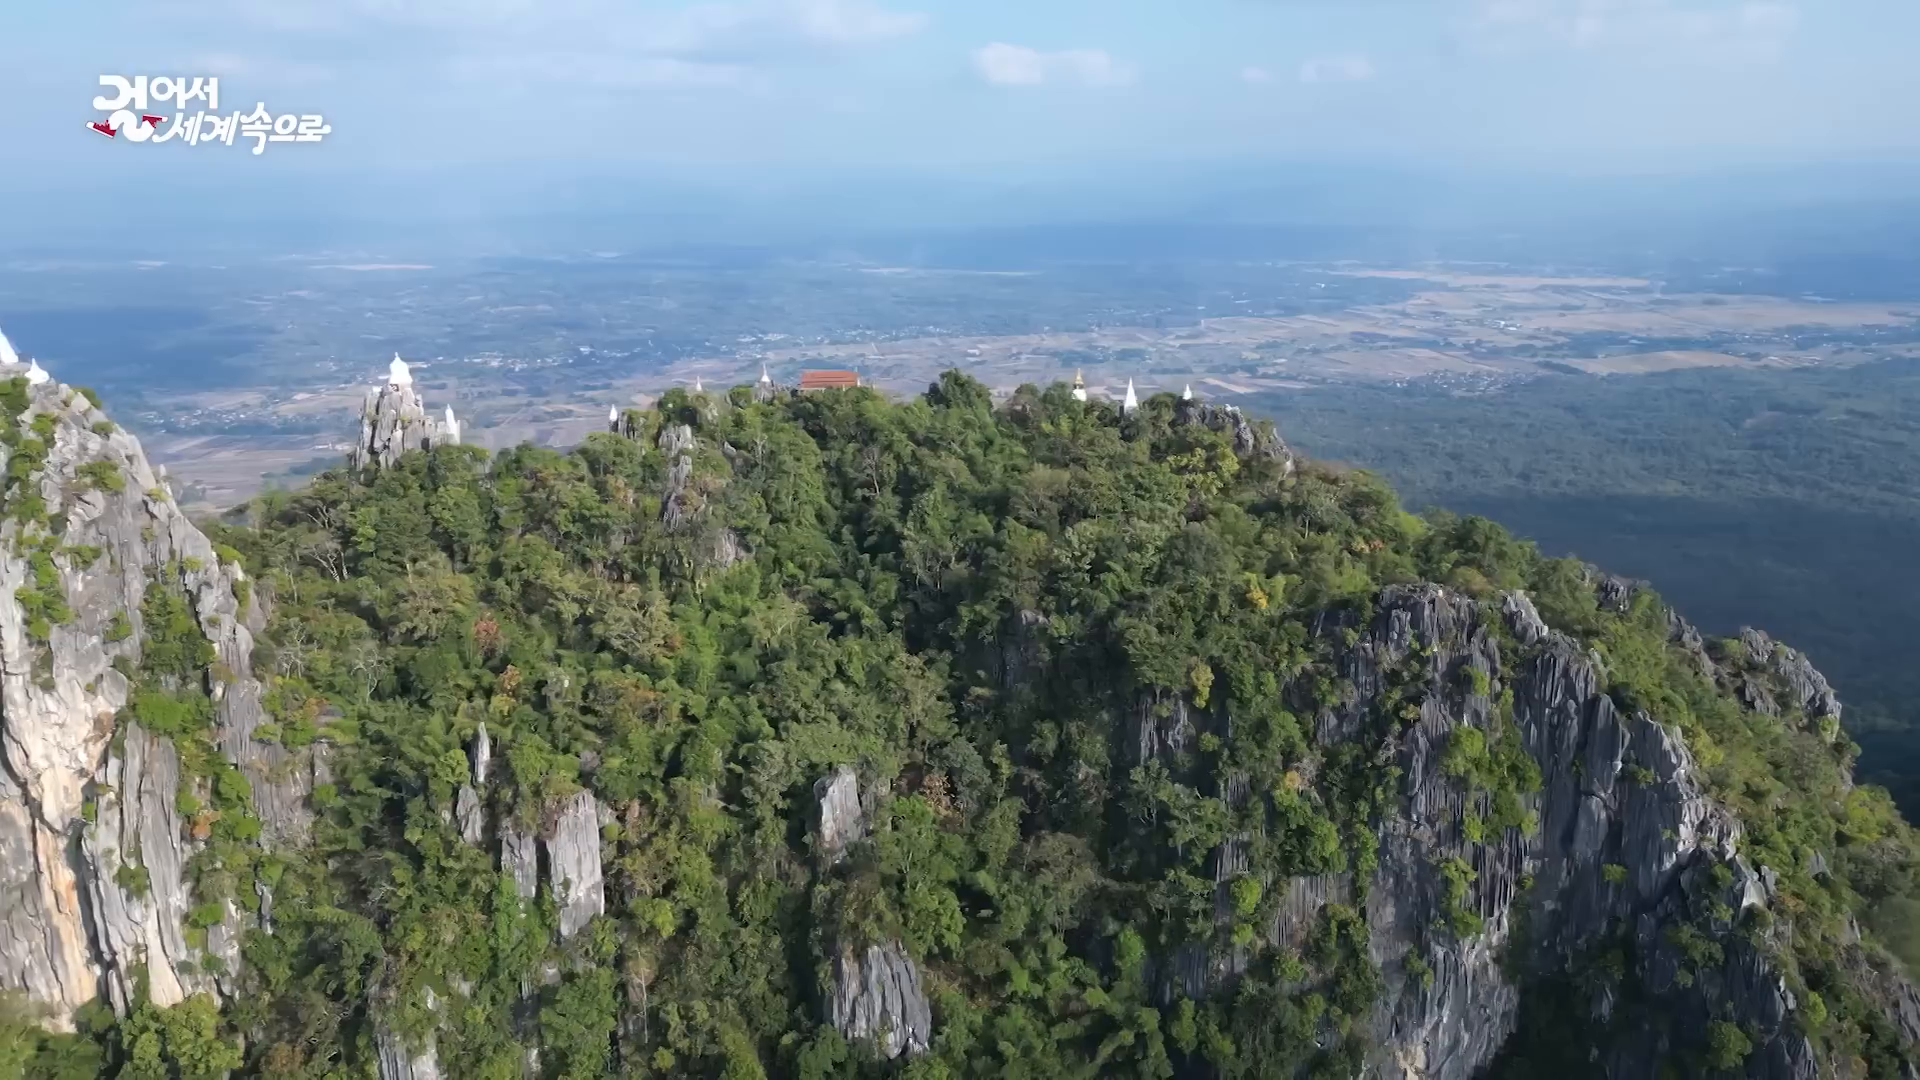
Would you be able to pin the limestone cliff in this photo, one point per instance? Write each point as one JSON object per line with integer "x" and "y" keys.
{"x": 92, "y": 846}
{"x": 875, "y": 995}
{"x": 573, "y": 860}
{"x": 1623, "y": 845}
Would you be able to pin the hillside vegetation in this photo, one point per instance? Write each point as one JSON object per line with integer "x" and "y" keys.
{"x": 1771, "y": 498}
{"x": 986, "y": 613}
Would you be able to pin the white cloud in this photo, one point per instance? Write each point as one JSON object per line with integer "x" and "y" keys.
{"x": 1745, "y": 29}
{"x": 704, "y": 42}
{"x": 1255, "y": 75}
{"x": 598, "y": 71}
{"x": 1017, "y": 65}
{"x": 252, "y": 68}
{"x": 1328, "y": 69}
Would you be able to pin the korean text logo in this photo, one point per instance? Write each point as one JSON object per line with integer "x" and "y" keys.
{"x": 130, "y": 98}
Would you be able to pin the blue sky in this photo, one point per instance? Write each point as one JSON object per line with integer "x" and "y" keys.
{"x": 782, "y": 87}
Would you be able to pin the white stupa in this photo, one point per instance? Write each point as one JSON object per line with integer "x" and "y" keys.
{"x": 7, "y": 354}
{"x": 1131, "y": 402}
{"x": 1079, "y": 386}
{"x": 451, "y": 426}
{"x": 697, "y": 388}
{"x": 613, "y": 414}
{"x": 1187, "y": 394}
{"x": 765, "y": 378}
{"x": 36, "y": 374}
{"x": 397, "y": 373}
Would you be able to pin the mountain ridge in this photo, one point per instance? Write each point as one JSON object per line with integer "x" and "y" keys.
{"x": 813, "y": 733}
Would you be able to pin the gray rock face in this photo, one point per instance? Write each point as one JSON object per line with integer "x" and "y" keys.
{"x": 877, "y": 995}
{"x": 520, "y": 858}
{"x": 1251, "y": 439}
{"x": 44, "y": 951}
{"x": 683, "y": 502}
{"x": 471, "y": 816}
{"x": 1808, "y": 690}
{"x": 678, "y": 506}
{"x": 1611, "y": 853}
{"x": 68, "y": 926}
{"x": 573, "y": 858}
{"x": 394, "y": 420}
{"x": 842, "y": 822}
{"x": 481, "y": 754}
{"x": 138, "y": 850}
{"x": 397, "y": 1061}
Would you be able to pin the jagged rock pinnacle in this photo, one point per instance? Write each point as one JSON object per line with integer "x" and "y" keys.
{"x": 394, "y": 420}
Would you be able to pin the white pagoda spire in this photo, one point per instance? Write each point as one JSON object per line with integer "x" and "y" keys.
{"x": 397, "y": 373}
{"x": 1079, "y": 386}
{"x": 1131, "y": 402}
{"x": 452, "y": 426}
{"x": 7, "y": 354}
{"x": 696, "y": 385}
{"x": 765, "y": 378}
{"x": 36, "y": 374}
{"x": 613, "y": 414}
{"x": 1187, "y": 394}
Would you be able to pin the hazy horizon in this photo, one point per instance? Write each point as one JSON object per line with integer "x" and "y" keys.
{"x": 722, "y": 119}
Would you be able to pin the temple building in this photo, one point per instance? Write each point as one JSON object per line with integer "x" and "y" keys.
{"x": 1079, "y": 386}
{"x": 828, "y": 380}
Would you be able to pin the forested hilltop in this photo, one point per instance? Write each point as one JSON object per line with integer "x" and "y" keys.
{"x": 1750, "y": 495}
{"x": 815, "y": 735}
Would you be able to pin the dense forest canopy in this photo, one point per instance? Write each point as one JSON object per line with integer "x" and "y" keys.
{"x": 962, "y": 602}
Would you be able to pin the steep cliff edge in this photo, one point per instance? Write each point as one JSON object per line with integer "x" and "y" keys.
{"x": 96, "y": 848}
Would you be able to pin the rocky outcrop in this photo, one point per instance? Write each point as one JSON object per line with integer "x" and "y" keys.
{"x": 1801, "y": 688}
{"x": 877, "y": 996}
{"x": 400, "y": 1058}
{"x": 842, "y": 822}
{"x": 44, "y": 950}
{"x": 470, "y": 815}
{"x": 397, "y": 1061}
{"x": 684, "y": 502}
{"x": 520, "y": 859}
{"x": 469, "y": 808}
{"x": 138, "y": 849}
{"x": 573, "y": 860}
{"x": 876, "y": 993}
{"x": 393, "y": 420}
{"x": 1252, "y": 439}
{"x": 1626, "y": 841}
{"x": 91, "y": 529}
{"x": 480, "y": 755}
{"x": 678, "y": 505}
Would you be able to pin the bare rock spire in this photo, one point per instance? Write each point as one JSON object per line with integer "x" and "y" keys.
{"x": 394, "y": 420}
